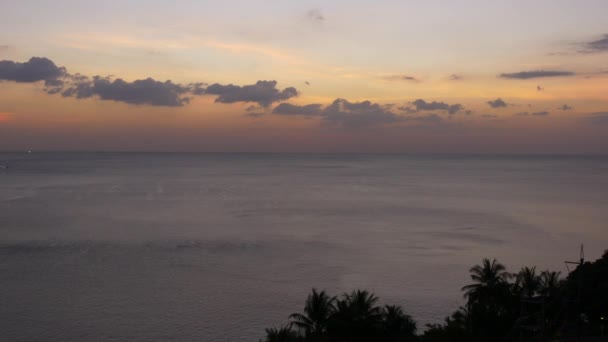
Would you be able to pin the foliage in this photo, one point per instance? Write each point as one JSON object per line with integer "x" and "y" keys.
{"x": 526, "y": 306}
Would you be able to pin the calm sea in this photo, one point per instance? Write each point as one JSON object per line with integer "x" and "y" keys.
{"x": 217, "y": 247}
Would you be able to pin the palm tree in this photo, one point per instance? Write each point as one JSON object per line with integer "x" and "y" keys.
{"x": 396, "y": 325}
{"x": 360, "y": 304}
{"x": 281, "y": 334}
{"x": 317, "y": 311}
{"x": 549, "y": 283}
{"x": 489, "y": 277}
{"x": 528, "y": 282}
{"x": 357, "y": 318}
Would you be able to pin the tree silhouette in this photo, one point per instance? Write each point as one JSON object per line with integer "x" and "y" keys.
{"x": 281, "y": 334}
{"x": 527, "y": 282}
{"x": 357, "y": 318}
{"x": 549, "y": 284}
{"x": 490, "y": 278}
{"x": 490, "y": 304}
{"x": 533, "y": 307}
{"x": 396, "y": 325}
{"x": 317, "y": 311}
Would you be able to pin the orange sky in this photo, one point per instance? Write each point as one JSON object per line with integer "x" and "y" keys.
{"x": 554, "y": 98}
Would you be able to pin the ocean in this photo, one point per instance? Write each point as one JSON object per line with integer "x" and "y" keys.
{"x": 218, "y": 247}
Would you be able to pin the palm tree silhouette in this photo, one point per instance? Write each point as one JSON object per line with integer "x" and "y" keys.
{"x": 396, "y": 325}
{"x": 549, "y": 283}
{"x": 360, "y": 305}
{"x": 281, "y": 334}
{"x": 317, "y": 311}
{"x": 490, "y": 278}
{"x": 527, "y": 282}
{"x": 357, "y": 318}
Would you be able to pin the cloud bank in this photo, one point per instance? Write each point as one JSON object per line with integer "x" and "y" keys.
{"x": 524, "y": 75}
{"x": 34, "y": 70}
{"x": 146, "y": 91}
{"x": 263, "y": 93}
{"x": 498, "y": 103}
{"x": 599, "y": 45}
{"x": 421, "y": 105}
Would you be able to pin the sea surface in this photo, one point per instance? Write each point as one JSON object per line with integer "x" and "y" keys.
{"x": 217, "y": 247}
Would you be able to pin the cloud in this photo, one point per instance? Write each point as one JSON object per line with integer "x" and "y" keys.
{"x": 599, "y": 45}
{"x": 263, "y": 93}
{"x": 315, "y": 15}
{"x": 498, "y": 103}
{"x": 524, "y": 75}
{"x": 345, "y": 114}
{"x": 342, "y": 113}
{"x": 407, "y": 78}
{"x": 147, "y": 91}
{"x": 421, "y": 104}
{"x": 565, "y": 108}
{"x": 407, "y": 109}
{"x": 290, "y": 109}
{"x": 489, "y": 116}
{"x": 456, "y": 77}
{"x": 35, "y": 70}
{"x": 599, "y": 118}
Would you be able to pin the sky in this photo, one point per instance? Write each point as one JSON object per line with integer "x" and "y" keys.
{"x": 305, "y": 76}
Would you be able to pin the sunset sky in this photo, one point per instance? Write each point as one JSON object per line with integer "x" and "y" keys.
{"x": 305, "y": 76}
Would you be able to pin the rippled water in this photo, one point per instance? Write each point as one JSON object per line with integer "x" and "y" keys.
{"x": 217, "y": 247}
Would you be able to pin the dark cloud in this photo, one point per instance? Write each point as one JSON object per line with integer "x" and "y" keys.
{"x": 253, "y": 108}
{"x": 144, "y": 91}
{"x": 524, "y": 75}
{"x": 198, "y": 88}
{"x": 565, "y": 107}
{"x": 34, "y": 70}
{"x": 263, "y": 92}
{"x": 407, "y": 109}
{"x": 456, "y": 77}
{"x": 290, "y": 109}
{"x": 407, "y": 78}
{"x": 600, "y": 118}
{"x": 342, "y": 113}
{"x": 315, "y": 15}
{"x": 498, "y": 103}
{"x": 421, "y": 105}
{"x": 254, "y": 115}
{"x": 147, "y": 91}
{"x": 599, "y": 45}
